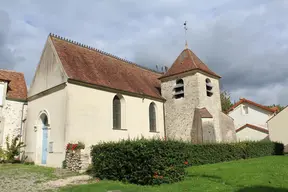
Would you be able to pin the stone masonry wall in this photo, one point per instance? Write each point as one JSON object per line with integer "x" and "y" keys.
{"x": 179, "y": 113}
{"x": 227, "y": 128}
{"x": 213, "y": 103}
{"x": 208, "y": 130}
{"x": 11, "y": 114}
{"x": 77, "y": 160}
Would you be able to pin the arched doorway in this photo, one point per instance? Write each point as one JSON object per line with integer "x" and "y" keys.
{"x": 44, "y": 126}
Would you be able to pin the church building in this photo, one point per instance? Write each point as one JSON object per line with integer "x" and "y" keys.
{"x": 80, "y": 93}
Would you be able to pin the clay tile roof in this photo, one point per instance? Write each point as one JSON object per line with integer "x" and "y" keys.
{"x": 16, "y": 88}
{"x": 243, "y": 100}
{"x": 257, "y": 128}
{"x": 187, "y": 61}
{"x": 204, "y": 113}
{"x": 96, "y": 67}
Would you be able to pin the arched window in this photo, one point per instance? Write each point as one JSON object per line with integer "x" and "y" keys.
{"x": 179, "y": 89}
{"x": 116, "y": 113}
{"x": 152, "y": 117}
{"x": 209, "y": 87}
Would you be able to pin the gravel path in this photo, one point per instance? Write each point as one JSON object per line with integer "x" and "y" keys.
{"x": 24, "y": 178}
{"x": 74, "y": 180}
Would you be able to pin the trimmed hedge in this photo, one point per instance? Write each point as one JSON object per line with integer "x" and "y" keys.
{"x": 149, "y": 162}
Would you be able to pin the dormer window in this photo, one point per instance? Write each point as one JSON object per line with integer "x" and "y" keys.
{"x": 179, "y": 89}
{"x": 209, "y": 87}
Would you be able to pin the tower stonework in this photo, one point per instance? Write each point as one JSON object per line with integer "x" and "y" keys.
{"x": 179, "y": 112}
{"x": 193, "y": 104}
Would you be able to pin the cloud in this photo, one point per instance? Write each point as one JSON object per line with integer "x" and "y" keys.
{"x": 246, "y": 42}
{"x": 7, "y": 57}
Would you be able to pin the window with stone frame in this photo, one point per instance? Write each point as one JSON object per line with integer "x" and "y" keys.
{"x": 152, "y": 117}
{"x": 116, "y": 113}
{"x": 209, "y": 87}
{"x": 179, "y": 89}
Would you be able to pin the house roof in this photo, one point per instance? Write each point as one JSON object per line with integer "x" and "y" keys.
{"x": 93, "y": 66}
{"x": 187, "y": 61}
{"x": 257, "y": 128}
{"x": 204, "y": 113}
{"x": 243, "y": 100}
{"x": 16, "y": 88}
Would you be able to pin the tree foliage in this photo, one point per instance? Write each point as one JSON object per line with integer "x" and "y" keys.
{"x": 280, "y": 107}
{"x": 226, "y": 103}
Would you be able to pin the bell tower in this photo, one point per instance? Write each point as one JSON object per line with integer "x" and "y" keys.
{"x": 193, "y": 104}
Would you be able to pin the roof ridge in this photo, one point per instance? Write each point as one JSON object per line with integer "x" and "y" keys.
{"x": 242, "y": 100}
{"x": 102, "y": 52}
{"x": 8, "y": 70}
{"x": 190, "y": 53}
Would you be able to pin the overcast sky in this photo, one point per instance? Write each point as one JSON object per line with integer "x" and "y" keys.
{"x": 246, "y": 42}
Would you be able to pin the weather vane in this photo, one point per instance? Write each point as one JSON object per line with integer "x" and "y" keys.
{"x": 185, "y": 28}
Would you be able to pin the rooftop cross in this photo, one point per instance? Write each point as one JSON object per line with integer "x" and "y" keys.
{"x": 185, "y": 28}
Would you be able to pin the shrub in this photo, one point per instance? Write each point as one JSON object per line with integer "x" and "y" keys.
{"x": 219, "y": 152}
{"x": 149, "y": 162}
{"x": 139, "y": 161}
{"x": 12, "y": 150}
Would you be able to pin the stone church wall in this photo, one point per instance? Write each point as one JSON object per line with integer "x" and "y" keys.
{"x": 208, "y": 130}
{"x": 227, "y": 128}
{"x": 213, "y": 103}
{"x": 179, "y": 113}
{"x": 11, "y": 117}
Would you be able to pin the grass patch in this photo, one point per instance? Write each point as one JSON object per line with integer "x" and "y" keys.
{"x": 259, "y": 174}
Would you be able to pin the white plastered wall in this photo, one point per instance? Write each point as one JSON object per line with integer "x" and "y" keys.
{"x": 54, "y": 105}
{"x": 90, "y": 117}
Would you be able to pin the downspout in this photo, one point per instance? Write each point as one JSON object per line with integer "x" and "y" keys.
{"x": 21, "y": 124}
{"x": 164, "y": 119}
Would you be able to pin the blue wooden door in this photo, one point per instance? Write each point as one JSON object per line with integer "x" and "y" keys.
{"x": 44, "y": 144}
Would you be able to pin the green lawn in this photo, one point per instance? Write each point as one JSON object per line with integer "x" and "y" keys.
{"x": 253, "y": 175}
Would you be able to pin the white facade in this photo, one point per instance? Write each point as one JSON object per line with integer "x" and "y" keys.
{"x": 246, "y": 113}
{"x": 248, "y": 134}
{"x": 52, "y": 105}
{"x": 91, "y": 111}
{"x": 278, "y": 130}
{"x": 12, "y": 114}
{"x": 77, "y": 113}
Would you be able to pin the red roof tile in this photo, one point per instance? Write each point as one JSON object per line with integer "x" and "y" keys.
{"x": 204, "y": 113}
{"x": 187, "y": 61}
{"x": 243, "y": 100}
{"x": 96, "y": 67}
{"x": 16, "y": 84}
{"x": 257, "y": 128}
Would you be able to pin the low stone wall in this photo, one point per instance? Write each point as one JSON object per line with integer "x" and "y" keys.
{"x": 77, "y": 160}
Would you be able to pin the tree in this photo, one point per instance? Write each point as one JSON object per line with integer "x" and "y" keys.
{"x": 280, "y": 107}
{"x": 226, "y": 103}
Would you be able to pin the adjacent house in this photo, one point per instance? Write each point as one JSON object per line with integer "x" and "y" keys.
{"x": 83, "y": 94}
{"x": 278, "y": 128}
{"x": 13, "y": 107}
{"x": 250, "y": 119}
